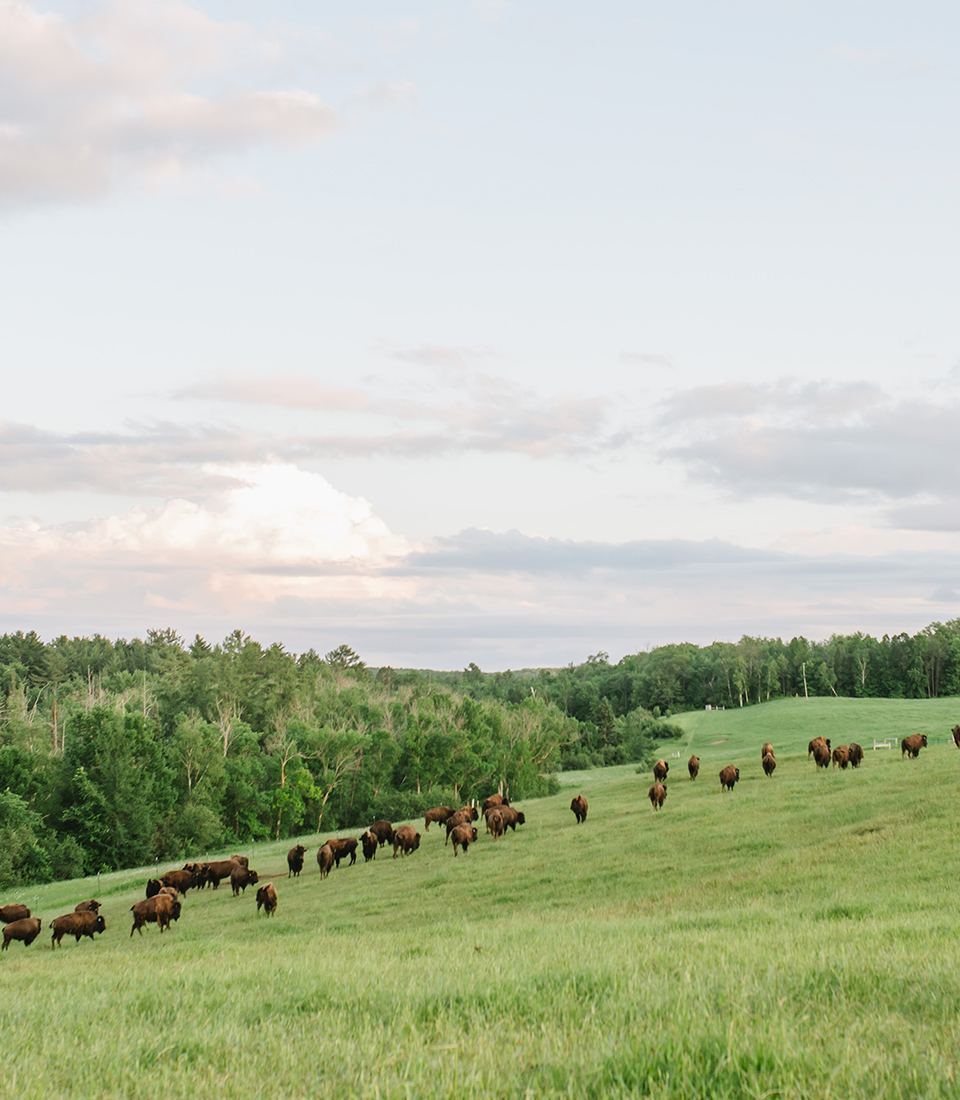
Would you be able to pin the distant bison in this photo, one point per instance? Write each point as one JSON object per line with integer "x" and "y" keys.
{"x": 217, "y": 871}
{"x": 767, "y": 750}
{"x": 383, "y": 831}
{"x": 91, "y": 906}
{"x": 494, "y": 800}
{"x": 439, "y": 815}
{"x": 769, "y": 764}
{"x": 267, "y": 897}
{"x": 956, "y": 736}
{"x": 821, "y": 754}
{"x": 579, "y": 807}
{"x": 461, "y": 817}
{"x": 464, "y": 835}
{"x": 325, "y": 860}
{"x": 657, "y": 795}
{"x": 495, "y": 822}
{"x": 241, "y": 878}
{"x": 405, "y": 840}
{"x": 26, "y": 930}
{"x": 295, "y": 861}
{"x": 728, "y": 777}
{"x": 660, "y": 770}
{"x": 182, "y": 881}
{"x": 825, "y": 741}
{"x": 369, "y": 843}
{"x": 512, "y": 817}
{"x": 9, "y": 913}
{"x": 76, "y": 924}
{"x": 343, "y": 847}
{"x": 160, "y": 910}
{"x": 693, "y": 766}
{"x": 913, "y": 744}
{"x": 841, "y": 756}
{"x": 856, "y": 755}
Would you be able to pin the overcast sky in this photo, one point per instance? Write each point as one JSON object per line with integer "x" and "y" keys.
{"x": 479, "y": 330}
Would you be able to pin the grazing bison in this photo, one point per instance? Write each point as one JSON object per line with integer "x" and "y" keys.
{"x": 811, "y": 748}
{"x": 579, "y": 807}
{"x": 693, "y": 766}
{"x": 660, "y": 770}
{"x": 91, "y": 906}
{"x": 76, "y": 924}
{"x": 26, "y": 930}
{"x": 241, "y": 878}
{"x": 728, "y": 777}
{"x": 841, "y": 756}
{"x": 493, "y": 800}
{"x": 325, "y": 860}
{"x": 657, "y": 795}
{"x": 821, "y": 754}
{"x": 217, "y": 871}
{"x": 769, "y": 763}
{"x": 295, "y": 860}
{"x": 369, "y": 843}
{"x": 440, "y": 815}
{"x": 913, "y": 744}
{"x": 956, "y": 736}
{"x": 160, "y": 910}
{"x": 463, "y": 835}
{"x": 9, "y": 913}
{"x": 856, "y": 755}
{"x": 767, "y": 750}
{"x": 344, "y": 847}
{"x": 463, "y": 817}
{"x": 267, "y": 897}
{"x": 383, "y": 831}
{"x": 181, "y": 881}
{"x": 512, "y": 817}
{"x": 405, "y": 840}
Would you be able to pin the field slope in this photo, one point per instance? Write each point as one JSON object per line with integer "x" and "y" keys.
{"x": 797, "y": 937}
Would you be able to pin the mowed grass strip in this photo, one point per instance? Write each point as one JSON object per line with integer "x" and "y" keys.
{"x": 797, "y": 937}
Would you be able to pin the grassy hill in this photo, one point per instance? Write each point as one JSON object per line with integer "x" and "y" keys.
{"x": 794, "y": 938}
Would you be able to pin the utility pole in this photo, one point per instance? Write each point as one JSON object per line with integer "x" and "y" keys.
{"x": 806, "y": 694}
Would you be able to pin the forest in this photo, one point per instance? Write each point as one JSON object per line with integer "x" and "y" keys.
{"x": 121, "y": 753}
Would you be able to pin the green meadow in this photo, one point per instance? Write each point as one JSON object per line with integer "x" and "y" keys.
{"x": 798, "y": 937}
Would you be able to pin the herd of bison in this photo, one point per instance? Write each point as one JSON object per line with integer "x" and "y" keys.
{"x": 162, "y": 904}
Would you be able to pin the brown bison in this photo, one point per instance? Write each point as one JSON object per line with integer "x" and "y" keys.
{"x": 728, "y": 777}
{"x": 325, "y": 860}
{"x": 579, "y": 807}
{"x": 463, "y": 835}
{"x": 495, "y": 822}
{"x": 767, "y": 750}
{"x": 769, "y": 764}
{"x": 295, "y": 861}
{"x": 242, "y": 860}
{"x": 440, "y": 815}
{"x": 9, "y": 913}
{"x": 841, "y": 756}
{"x": 856, "y": 755}
{"x": 693, "y": 766}
{"x": 512, "y": 817}
{"x": 341, "y": 848}
{"x": 493, "y": 800}
{"x": 821, "y": 754}
{"x": 913, "y": 744}
{"x": 660, "y": 770}
{"x": 26, "y": 930}
{"x": 217, "y": 871}
{"x": 267, "y": 897}
{"x": 170, "y": 891}
{"x": 811, "y": 748}
{"x": 369, "y": 843}
{"x": 462, "y": 817}
{"x": 159, "y": 910}
{"x": 956, "y": 736}
{"x": 405, "y": 840}
{"x": 76, "y": 924}
{"x": 91, "y": 906}
{"x": 241, "y": 878}
{"x": 154, "y": 886}
{"x": 383, "y": 831}
{"x": 181, "y": 881}
{"x": 657, "y": 795}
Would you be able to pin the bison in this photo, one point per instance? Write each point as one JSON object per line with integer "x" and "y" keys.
{"x": 693, "y": 766}
{"x": 91, "y": 906}
{"x": 767, "y": 750}
{"x": 657, "y": 795}
{"x": 440, "y": 815}
{"x": 495, "y": 822}
{"x": 267, "y": 897}
{"x": 9, "y": 913}
{"x": 462, "y": 817}
{"x": 405, "y": 840}
{"x": 76, "y": 924}
{"x": 728, "y": 777}
{"x": 383, "y": 831}
{"x": 579, "y": 807}
{"x": 512, "y": 817}
{"x": 492, "y": 801}
{"x": 463, "y": 835}
{"x": 325, "y": 860}
{"x": 181, "y": 881}
{"x": 154, "y": 886}
{"x": 241, "y": 878}
{"x": 369, "y": 843}
{"x": 660, "y": 770}
{"x": 821, "y": 754}
{"x": 825, "y": 741}
{"x": 913, "y": 744}
{"x": 769, "y": 763}
{"x": 956, "y": 736}
{"x": 160, "y": 910}
{"x": 26, "y": 930}
{"x": 219, "y": 870}
{"x": 295, "y": 861}
{"x": 856, "y": 755}
{"x": 841, "y": 756}
{"x": 347, "y": 846}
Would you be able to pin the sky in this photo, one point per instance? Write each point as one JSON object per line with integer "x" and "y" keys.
{"x": 480, "y": 330}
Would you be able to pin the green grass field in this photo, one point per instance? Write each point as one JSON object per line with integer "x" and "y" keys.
{"x": 795, "y": 938}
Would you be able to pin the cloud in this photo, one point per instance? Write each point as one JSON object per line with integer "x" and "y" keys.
{"x": 490, "y": 11}
{"x": 646, "y": 359}
{"x": 285, "y": 392}
{"x": 136, "y": 90}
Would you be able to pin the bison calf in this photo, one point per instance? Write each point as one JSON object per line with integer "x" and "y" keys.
{"x": 76, "y": 924}
{"x": 25, "y": 930}
{"x": 267, "y": 897}
{"x": 657, "y": 795}
{"x": 579, "y": 807}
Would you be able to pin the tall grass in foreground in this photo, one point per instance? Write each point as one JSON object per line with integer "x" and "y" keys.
{"x": 796, "y": 938}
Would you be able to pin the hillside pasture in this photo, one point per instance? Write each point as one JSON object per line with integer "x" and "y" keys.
{"x": 797, "y": 937}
